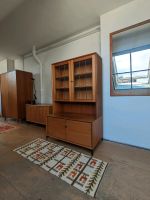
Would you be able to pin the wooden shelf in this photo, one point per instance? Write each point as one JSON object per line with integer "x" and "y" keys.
{"x": 75, "y": 101}
{"x": 83, "y": 74}
{"x": 83, "y": 87}
{"x": 85, "y": 101}
{"x": 62, "y": 88}
{"x": 74, "y": 116}
{"x": 62, "y": 77}
{"x": 62, "y": 100}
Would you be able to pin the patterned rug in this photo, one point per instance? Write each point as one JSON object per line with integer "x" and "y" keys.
{"x": 4, "y": 127}
{"x": 82, "y": 171}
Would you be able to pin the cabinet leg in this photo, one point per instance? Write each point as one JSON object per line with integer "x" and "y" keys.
{"x": 92, "y": 152}
{"x": 47, "y": 137}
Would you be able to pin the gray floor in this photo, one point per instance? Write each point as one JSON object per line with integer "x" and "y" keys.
{"x": 127, "y": 176}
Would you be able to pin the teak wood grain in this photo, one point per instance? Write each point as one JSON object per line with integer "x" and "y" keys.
{"x": 79, "y": 132}
{"x": 38, "y": 113}
{"x": 16, "y": 91}
{"x": 78, "y": 118}
{"x": 56, "y": 127}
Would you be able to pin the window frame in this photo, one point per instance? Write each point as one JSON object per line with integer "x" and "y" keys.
{"x": 125, "y": 92}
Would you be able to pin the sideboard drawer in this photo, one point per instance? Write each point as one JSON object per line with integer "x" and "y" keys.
{"x": 38, "y": 113}
{"x": 79, "y": 132}
{"x": 56, "y": 127}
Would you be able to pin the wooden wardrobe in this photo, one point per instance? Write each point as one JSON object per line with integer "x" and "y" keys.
{"x": 16, "y": 91}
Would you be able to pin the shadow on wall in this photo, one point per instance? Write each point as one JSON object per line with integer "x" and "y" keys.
{"x": 0, "y": 104}
{"x": 37, "y": 87}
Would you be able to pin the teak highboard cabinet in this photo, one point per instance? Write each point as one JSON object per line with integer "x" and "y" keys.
{"x": 77, "y": 101}
{"x": 16, "y": 91}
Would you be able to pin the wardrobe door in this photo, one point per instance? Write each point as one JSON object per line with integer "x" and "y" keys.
{"x": 4, "y": 94}
{"x": 24, "y": 87}
{"x": 12, "y": 95}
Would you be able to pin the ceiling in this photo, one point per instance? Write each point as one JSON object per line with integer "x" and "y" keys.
{"x": 7, "y": 6}
{"x": 24, "y": 23}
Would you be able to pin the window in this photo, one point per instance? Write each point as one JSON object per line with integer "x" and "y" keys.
{"x": 130, "y": 60}
{"x": 131, "y": 69}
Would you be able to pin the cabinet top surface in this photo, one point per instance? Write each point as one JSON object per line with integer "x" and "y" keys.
{"x": 16, "y": 71}
{"x": 38, "y": 104}
{"x": 76, "y": 117}
{"x": 90, "y": 54}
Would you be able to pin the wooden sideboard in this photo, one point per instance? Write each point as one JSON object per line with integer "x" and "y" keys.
{"x": 38, "y": 113}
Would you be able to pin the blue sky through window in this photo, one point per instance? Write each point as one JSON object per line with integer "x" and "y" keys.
{"x": 131, "y": 62}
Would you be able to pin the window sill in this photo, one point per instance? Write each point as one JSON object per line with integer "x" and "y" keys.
{"x": 133, "y": 92}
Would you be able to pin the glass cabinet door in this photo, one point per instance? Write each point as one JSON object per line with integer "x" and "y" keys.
{"x": 61, "y": 76}
{"x": 83, "y": 79}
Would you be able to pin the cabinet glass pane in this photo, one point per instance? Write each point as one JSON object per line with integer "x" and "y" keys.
{"x": 62, "y": 82}
{"x": 83, "y": 80}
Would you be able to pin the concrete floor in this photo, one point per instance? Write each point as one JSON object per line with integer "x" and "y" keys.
{"x": 127, "y": 176}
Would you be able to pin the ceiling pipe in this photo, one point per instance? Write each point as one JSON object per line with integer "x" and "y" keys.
{"x": 41, "y": 69}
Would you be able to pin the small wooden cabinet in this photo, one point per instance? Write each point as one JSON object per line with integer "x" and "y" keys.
{"x": 77, "y": 101}
{"x": 38, "y": 113}
{"x": 77, "y": 129}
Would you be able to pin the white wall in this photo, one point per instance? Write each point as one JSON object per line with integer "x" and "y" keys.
{"x": 87, "y": 44}
{"x": 3, "y": 66}
{"x": 19, "y": 63}
{"x": 10, "y": 64}
{"x": 126, "y": 119}
{"x": 6, "y": 65}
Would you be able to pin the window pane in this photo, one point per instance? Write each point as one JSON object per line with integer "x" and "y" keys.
{"x": 122, "y": 81}
{"x": 141, "y": 79}
{"x": 140, "y": 60}
{"x": 122, "y": 63}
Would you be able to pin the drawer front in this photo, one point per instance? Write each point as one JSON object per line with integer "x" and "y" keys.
{"x": 43, "y": 112}
{"x": 56, "y": 127}
{"x": 37, "y": 114}
{"x": 31, "y": 113}
{"x": 79, "y": 133}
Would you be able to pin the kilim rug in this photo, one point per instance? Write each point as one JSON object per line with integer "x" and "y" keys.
{"x": 82, "y": 171}
{"x": 4, "y": 127}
